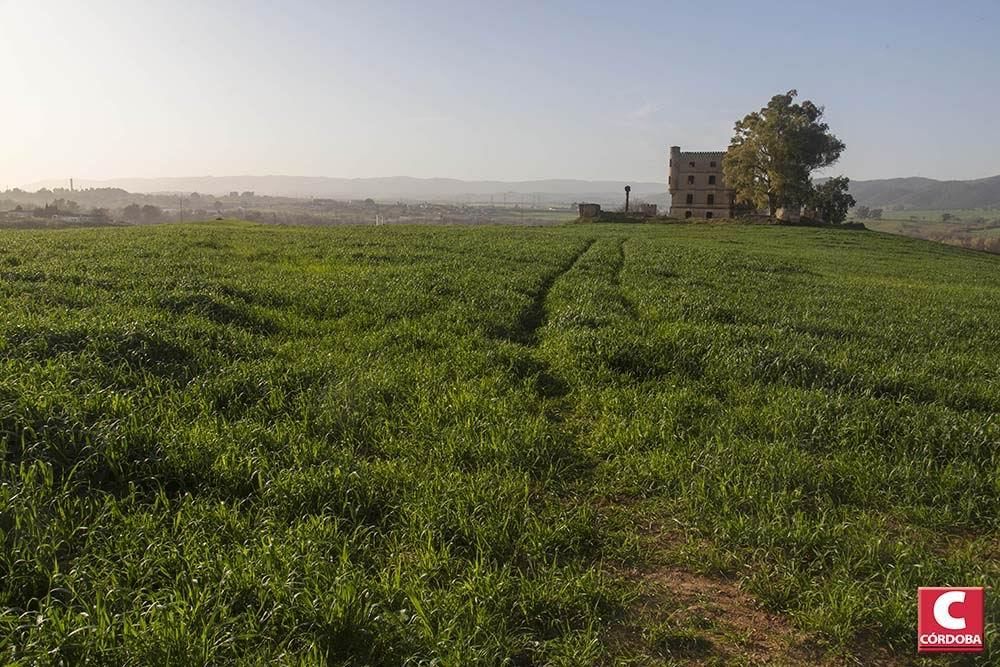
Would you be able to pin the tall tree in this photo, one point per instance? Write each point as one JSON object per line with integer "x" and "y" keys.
{"x": 775, "y": 150}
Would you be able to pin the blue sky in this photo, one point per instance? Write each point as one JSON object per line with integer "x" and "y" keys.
{"x": 483, "y": 90}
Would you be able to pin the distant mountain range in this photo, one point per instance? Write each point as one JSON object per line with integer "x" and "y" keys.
{"x": 908, "y": 193}
{"x": 389, "y": 188}
{"x": 927, "y": 193}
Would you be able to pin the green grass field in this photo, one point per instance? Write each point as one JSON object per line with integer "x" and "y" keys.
{"x": 958, "y": 215}
{"x": 975, "y": 236}
{"x": 584, "y": 444}
{"x": 976, "y": 229}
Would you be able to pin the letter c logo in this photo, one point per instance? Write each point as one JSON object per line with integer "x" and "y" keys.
{"x": 942, "y": 612}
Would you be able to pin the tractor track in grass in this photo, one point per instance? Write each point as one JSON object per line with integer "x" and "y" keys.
{"x": 630, "y": 307}
{"x": 534, "y": 316}
{"x": 697, "y": 618}
{"x": 701, "y": 618}
{"x": 619, "y": 263}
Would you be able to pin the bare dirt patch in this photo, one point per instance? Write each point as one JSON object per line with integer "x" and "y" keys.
{"x": 684, "y": 617}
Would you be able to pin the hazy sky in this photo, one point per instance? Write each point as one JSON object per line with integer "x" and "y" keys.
{"x": 483, "y": 90}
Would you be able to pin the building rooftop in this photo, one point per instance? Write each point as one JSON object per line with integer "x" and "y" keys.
{"x": 704, "y": 153}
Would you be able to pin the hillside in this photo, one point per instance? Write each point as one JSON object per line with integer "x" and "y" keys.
{"x": 910, "y": 193}
{"x": 926, "y": 193}
{"x": 391, "y": 188}
{"x": 583, "y": 444}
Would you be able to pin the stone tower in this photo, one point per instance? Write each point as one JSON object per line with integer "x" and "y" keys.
{"x": 697, "y": 186}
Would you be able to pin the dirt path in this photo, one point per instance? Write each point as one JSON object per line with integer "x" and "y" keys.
{"x": 683, "y": 617}
{"x": 701, "y": 620}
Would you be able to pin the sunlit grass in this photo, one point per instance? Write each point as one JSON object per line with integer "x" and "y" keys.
{"x": 380, "y": 445}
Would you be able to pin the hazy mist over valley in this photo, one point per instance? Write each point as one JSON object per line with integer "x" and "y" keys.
{"x": 905, "y": 193}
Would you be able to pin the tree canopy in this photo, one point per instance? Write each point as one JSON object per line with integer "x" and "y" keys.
{"x": 831, "y": 200}
{"x": 775, "y": 150}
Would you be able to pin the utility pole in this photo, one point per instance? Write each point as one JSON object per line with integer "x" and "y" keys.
{"x": 628, "y": 189}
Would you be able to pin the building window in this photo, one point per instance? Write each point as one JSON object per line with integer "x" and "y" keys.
{"x": 690, "y": 180}
{"x": 687, "y": 214}
{"x": 711, "y": 180}
{"x": 669, "y": 179}
{"x": 691, "y": 164}
{"x": 708, "y": 215}
{"x": 711, "y": 199}
{"x": 671, "y": 163}
{"x": 690, "y": 199}
{"x": 711, "y": 164}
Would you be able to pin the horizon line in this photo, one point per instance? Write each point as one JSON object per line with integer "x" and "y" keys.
{"x": 47, "y": 182}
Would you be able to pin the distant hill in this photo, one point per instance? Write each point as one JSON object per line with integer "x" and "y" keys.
{"x": 927, "y": 193}
{"x": 390, "y": 188}
{"x": 908, "y": 193}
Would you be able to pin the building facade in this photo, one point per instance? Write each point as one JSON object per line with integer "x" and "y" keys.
{"x": 697, "y": 186}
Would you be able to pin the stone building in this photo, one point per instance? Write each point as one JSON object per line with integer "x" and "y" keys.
{"x": 697, "y": 186}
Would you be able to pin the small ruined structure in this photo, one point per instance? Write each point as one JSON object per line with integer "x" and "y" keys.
{"x": 789, "y": 214}
{"x": 648, "y": 210}
{"x": 697, "y": 185}
{"x": 590, "y": 210}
